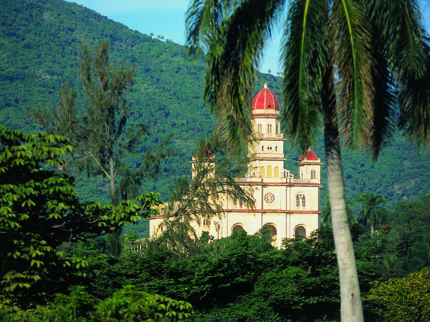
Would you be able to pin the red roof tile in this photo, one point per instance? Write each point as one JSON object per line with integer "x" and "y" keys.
{"x": 265, "y": 99}
{"x": 310, "y": 156}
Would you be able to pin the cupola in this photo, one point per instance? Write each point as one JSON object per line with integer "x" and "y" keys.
{"x": 309, "y": 156}
{"x": 265, "y": 102}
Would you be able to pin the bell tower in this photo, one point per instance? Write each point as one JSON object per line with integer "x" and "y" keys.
{"x": 268, "y": 149}
{"x": 310, "y": 167}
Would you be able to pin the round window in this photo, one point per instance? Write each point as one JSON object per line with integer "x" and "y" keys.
{"x": 269, "y": 197}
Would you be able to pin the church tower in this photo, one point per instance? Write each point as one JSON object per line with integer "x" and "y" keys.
{"x": 284, "y": 205}
{"x": 268, "y": 150}
{"x": 310, "y": 167}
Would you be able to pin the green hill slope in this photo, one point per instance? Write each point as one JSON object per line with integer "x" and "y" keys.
{"x": 39, "y": 43}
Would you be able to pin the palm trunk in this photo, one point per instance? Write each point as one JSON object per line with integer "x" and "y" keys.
{"x": 351, "y": 307}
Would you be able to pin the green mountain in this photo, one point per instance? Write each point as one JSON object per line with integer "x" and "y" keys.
{"x": 39, "y": 44}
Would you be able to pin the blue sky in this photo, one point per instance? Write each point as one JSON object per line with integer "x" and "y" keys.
{"x": 167, "y": 18}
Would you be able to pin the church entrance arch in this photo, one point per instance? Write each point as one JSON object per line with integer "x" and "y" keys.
{"x": 273, "y": 234}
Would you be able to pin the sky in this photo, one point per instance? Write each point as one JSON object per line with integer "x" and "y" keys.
{"x": 167, "y": 18}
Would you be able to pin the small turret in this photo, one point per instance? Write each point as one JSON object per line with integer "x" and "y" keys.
{"x": 310, "y": 167}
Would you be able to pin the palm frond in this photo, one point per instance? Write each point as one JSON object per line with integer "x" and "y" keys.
{"x": 233, "y": 55}
{"x": 353, "y": 60}
{"x": 305, "y": 59}
{"x": 326, "y": 213}
{"x": 400, "y": 24}
{"x": 385, "y": 99}
{"x": 401, "y": 29}
{"x": 414, "y": 98}
{"x": 203, "y": 19}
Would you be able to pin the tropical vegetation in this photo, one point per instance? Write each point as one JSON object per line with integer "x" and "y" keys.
{"x": 166, "y": 98}
{"x": 56, "y": 265}
{"x": 346, "y": 66}
{"x": 46, "y": 278}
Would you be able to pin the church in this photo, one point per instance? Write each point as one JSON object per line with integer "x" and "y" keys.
{"x": 284, "y": 205}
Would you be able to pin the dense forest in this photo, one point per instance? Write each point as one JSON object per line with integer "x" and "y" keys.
{"x": 54, "y": 269}
{"x": 55, "y": 263}
{"x": 39, "y": 44}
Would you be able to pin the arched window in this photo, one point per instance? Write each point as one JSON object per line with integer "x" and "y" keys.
{"x": 313, "y": 174}
{"x": 277, "y": 128}
{"x": 206, "y": 223}
{"x": 162, "y": 211}
{"x": 262, "y": 172}
{"x": 300, "y": 232}
{"x": 237, "y": 228}
{"x": 276, "y": 148}
{"x": 269, "y": 128}
{"x": 300, "y": 200}
{"x": 162, "y": 227}
{"x": 260, "y": 128}
{"x": 272, "y": 235}
{"x": 276, "y": 172}
{"x": 269, "y": 171}
{"x": 262, "y": 148}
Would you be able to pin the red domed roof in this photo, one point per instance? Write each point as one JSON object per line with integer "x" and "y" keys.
{"x": 309, "y": 156}
{"x": 265, "y": 100}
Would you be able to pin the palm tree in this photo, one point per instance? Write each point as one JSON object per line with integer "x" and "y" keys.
{"x": 391, "y": 260}
{"x": 326, "y": 213}
{"x": 346, "y": 65}
{"x": 372, "y": 210}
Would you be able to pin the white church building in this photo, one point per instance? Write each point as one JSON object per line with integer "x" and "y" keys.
{"x": 285, "y": 205}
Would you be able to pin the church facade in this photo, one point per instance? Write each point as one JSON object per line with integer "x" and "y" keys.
{"x": 284, "y": 205}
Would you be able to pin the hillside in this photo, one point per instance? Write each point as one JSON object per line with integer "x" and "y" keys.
{"x": 39, "y": 43}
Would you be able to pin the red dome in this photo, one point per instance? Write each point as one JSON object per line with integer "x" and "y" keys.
{"x": 265, "y": 100}
{"x": 309, "y": 156}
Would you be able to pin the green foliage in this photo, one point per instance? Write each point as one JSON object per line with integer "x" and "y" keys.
{"x": 100, "y": 136}
{"x": 330, "y": 72}
{"x": 409, "y": 232}
{"x": 213, "y": 180}
{"x": 326, "y": 213}
{"x": 234, "y": 279}
{"x": 165, "y": 95}
{"x": 420, "y": 255}
{"x": 129, "y": 304}
{"x": 39, "y": 211}
{"x": 372, "y": 212}
{"x": 166, "y": 98}
{"x": 126, "y": 304}
{"x": 399, "y": 248}
{"x": 403, "y": 299}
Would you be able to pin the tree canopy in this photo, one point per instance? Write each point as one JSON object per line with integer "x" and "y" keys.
{"x": 40, "y": 210}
